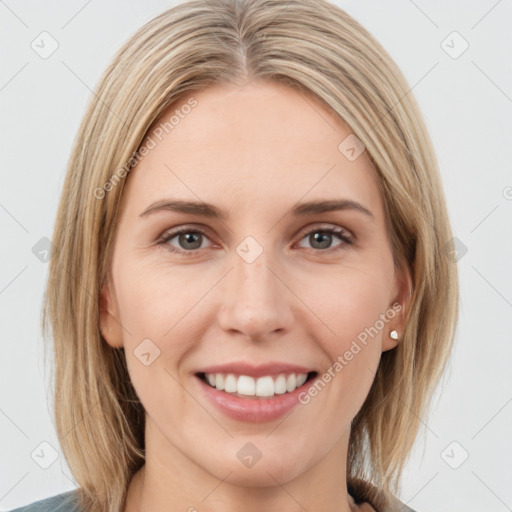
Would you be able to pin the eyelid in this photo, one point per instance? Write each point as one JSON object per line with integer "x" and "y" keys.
{"x": 325, "y": 226}
{"x": 305, "y": 230}
{"x": 170, "y": 233}
{"x": 345, "y": 235}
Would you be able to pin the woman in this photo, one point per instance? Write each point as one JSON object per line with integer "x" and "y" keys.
{"x": 252, "y": 298}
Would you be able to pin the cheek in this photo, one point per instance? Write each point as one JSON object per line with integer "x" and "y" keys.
{"x": 153, "y": 298}
{"x": 351, "y": 304}
{"x": 154, "y": 317}
{"x": 155, "y": 309}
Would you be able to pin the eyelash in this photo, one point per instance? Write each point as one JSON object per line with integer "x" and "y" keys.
{"x": 340, "y": 232}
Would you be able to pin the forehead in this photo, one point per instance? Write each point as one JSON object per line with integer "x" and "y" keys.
{"x": 262, "y": 144}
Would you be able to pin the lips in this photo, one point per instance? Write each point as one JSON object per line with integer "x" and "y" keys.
{"x": 254, "y": 403}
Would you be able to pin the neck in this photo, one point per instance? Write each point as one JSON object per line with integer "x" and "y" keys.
{"x": 169, "y": 481}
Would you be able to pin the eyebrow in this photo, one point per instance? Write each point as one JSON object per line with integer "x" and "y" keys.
{"x": 211, "y": 211}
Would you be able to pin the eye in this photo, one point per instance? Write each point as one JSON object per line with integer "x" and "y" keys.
{"x": 321, "y": 238}
{"x": 190, "y": 240}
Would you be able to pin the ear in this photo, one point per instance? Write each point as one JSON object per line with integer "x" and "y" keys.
{"x": 401, "y": 303}
{"x": 109, "y": 324}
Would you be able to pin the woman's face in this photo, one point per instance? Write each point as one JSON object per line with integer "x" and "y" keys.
{"x": 256, "y": 286}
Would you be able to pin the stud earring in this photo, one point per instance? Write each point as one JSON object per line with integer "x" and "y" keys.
{"x": 394, "y": 335}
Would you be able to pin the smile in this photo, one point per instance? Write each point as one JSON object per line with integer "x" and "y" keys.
{"x": 245, "y": 386}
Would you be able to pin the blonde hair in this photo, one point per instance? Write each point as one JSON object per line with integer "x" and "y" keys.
{"x": 318, "y": 49}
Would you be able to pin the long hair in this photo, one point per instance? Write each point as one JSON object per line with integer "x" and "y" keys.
{"x": 318, "y": 49}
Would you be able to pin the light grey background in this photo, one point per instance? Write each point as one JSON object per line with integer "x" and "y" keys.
{"x": 467, "y": 104}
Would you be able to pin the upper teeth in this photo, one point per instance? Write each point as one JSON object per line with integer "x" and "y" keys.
{"x": 262, "y": 386}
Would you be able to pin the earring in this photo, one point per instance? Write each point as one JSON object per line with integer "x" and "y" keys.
{"x": 394, "y": 335}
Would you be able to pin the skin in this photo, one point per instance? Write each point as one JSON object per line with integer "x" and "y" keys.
{"x": 254, "y": 151}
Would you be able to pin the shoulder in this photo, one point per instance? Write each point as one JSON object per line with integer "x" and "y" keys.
{"x": 65, "y": 502}
{"x": 366, "y": 494}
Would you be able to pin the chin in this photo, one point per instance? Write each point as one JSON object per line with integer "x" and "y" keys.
{"x": 267, "y": 468}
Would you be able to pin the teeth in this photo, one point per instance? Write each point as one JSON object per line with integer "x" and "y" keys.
{"x": 219, "y": 381}
{"x": 280, "y": 385}
{"x": 261, "y": 387}
{"x": 264, "y": 386}
{"x": 246, "y": 386}
{"x": 301, "y": 378}
{"x": 230, "y": 384}
{"x": 291, "y": 382}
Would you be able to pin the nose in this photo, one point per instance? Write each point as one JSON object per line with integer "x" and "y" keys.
{"x": 255, "y": 299}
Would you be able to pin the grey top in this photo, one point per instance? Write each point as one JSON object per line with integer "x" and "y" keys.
{"x": 367, "y": 497}
{"x": 65, "y": 502}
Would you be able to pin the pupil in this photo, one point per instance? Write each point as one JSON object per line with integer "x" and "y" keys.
{"x": 189, "y": 238}
{"x": 321, "y": 235}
